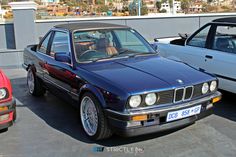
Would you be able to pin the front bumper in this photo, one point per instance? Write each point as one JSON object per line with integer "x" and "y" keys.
{"x": 122, "y": 122}
{"x": 11, "y": 111}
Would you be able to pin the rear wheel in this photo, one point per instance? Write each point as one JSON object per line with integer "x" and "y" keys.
{"x": 92, "y": 118}
{"x": 34, "y": 85}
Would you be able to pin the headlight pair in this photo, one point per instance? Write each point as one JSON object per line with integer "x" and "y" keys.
{"x": 135, "y": 101}
{"x": 206, "y": 88}
{"x": 3, "y": 93}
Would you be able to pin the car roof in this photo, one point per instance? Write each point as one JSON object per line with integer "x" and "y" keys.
{"x": 226, "y": 20}
{"x": 89, "y": 26}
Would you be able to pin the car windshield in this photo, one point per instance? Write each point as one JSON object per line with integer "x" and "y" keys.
{"x": 106, "y": 44}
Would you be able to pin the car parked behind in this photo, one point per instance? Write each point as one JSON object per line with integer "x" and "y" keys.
{"x": 211, "y": 49}
{"x": 7, "y": 102}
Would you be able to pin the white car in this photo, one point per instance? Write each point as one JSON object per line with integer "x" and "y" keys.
{"x": 211, "y": 49}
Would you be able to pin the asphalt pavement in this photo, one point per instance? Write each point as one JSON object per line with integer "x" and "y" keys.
{"x": 49, "y": 127}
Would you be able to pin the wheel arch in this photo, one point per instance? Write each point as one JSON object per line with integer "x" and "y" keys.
{"x": 93, "y": 90}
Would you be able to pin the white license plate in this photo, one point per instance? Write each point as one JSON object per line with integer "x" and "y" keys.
{"x": 175, "y": 115}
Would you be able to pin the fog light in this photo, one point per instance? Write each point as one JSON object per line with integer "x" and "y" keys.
{"x": 209, "y": 106}
{"x": 139, "y": 118}
{"x": 216, "y": 99}
{"x": 4, "y": 117}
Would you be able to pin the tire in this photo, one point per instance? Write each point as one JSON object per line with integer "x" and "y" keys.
{"x": 102, "y": 130}
{"x": 35, "y": 87}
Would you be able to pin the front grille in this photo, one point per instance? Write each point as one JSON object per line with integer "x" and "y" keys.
{"x": 197, "y": 90}
{"x": 165, "y": 97}
{"x": 179, "y": 93}
{"x": 188, "y": 92}
{"x": 184, "y": 93}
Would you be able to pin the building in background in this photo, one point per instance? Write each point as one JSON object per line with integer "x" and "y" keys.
{"x": 151, "y": 5}
{"x": 166, "y": 6}
{"x": 195, "y": 7}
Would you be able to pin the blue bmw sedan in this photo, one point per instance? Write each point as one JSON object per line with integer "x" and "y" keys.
{"x": 116, "y": 80}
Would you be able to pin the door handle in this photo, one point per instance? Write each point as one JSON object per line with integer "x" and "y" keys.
{"x": 209, "y": 57}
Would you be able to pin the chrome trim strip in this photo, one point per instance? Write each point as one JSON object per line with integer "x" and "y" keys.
{"x": 175, "y": 95}
{"x": 57, "y": 85}
{"x": 163, "y": 109}
{"x": 185, "y": 93}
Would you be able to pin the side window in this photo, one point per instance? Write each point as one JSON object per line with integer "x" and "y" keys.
{"x": 60, "y": 43}
{"x": 44, "y": 45}
{"x": 199, "y": 40}
{"x": 225, "y": 39}
{"x": 130, "y": 40}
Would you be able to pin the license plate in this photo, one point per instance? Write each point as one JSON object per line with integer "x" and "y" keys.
{"x": 175, "y": 115}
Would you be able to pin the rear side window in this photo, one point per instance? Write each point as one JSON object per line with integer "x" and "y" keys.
{"x": 44, "y": 45}
{"x": 60, "y": 43}
{"x": 200, "y": 39}
{"x": 225, "y": 39}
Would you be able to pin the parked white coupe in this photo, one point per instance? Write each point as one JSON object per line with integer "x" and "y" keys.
{"x": 211, "y": 49}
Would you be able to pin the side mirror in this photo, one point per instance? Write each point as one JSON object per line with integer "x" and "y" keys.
{"x": 62, "y": 57}
{"x": 156, "y": 40}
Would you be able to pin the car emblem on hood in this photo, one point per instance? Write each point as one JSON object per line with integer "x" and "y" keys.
{"x": 180, "y": 81}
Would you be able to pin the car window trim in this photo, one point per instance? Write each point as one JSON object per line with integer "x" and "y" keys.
{"x": 69, "y": 45}
{"x": 43, "y": 39}
{"x": 214, "y": 34}
{"x": 195, "y": 33}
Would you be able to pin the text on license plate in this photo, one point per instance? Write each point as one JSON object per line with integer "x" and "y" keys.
{"x": 183, "y": 113}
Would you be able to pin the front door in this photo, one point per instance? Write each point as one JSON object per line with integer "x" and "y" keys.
{"x": 60, "y": 76}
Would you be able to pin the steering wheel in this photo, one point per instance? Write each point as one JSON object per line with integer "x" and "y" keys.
{"x": 88, "y": 51}
{"x": 91, "y": 54}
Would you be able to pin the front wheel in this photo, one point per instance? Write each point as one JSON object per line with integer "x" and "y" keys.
{"x": 34, "y": 85}
{"x": 92, "y": 117}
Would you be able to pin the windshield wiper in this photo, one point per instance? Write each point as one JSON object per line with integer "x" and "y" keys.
{"x": 124, "y": 51}
{"x": 142, "y": 54}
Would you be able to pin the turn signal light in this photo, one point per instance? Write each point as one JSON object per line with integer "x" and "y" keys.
{"x": 4, "y": 108}
{"x": 216, "y": 99}
{"x": 139, "y": 118}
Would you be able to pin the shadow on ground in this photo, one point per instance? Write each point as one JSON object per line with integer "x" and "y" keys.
{"x": 226, "y": 107}
{"x": 64, "y": 117}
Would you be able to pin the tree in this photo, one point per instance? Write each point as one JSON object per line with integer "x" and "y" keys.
{"x": 169, "y": 1}
{"x": 158, "y": 5}
{"x": 185, "y": 5}
{"x": 102, "y": 8}
{"x": 163, "y": 11}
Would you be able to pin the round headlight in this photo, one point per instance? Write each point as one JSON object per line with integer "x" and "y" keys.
{"x": 135, "y": 101}
{"x": 213, "y": 86}
{"x": 205, "y": 88}
{"x": 3, "y": 93}
{"x": 150, "y": 99}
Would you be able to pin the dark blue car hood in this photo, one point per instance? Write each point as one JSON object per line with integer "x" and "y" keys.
{"x": 147, "y": 73}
